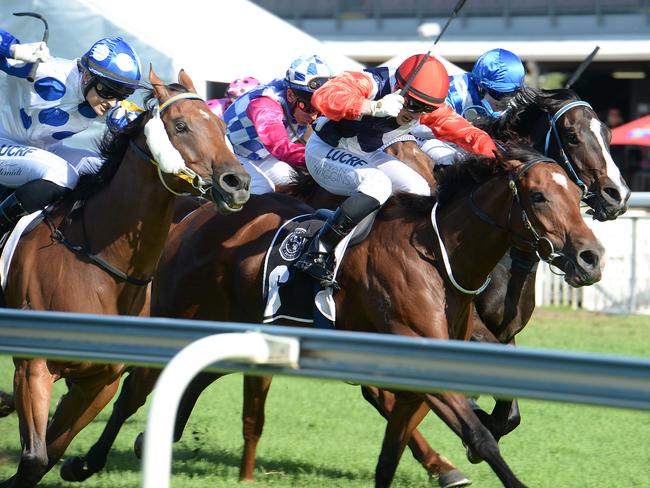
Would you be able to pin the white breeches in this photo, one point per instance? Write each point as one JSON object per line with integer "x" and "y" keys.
{"x": 267, "y": 173}
{"x": 377, "y": 174}
{"x": 62, "y": 165}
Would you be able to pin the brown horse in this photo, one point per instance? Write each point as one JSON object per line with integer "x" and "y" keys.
{"x": 210, "y": 269}
{"x": 504, "y": 307}
{"x": 99, "y": 258}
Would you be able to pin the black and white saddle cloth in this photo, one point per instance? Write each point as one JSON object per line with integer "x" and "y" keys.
{"x": 292, "y": 294}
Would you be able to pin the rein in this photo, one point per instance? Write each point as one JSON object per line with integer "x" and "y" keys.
{"x": 567, "y": 164}
{"x": 542, "y": 246}
{"x": 186, "y": 174}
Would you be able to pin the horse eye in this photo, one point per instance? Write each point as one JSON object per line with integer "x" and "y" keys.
{"x": 538, "y": 197}
{"x": 180, "y": 126}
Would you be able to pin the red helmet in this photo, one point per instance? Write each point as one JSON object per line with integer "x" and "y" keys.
{"x": 430, "y": 84}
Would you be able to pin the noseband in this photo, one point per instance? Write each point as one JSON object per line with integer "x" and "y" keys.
{"x": 567, "y": 164}
{"x": 542, "y": 246}
{"x": 186, "y": 174}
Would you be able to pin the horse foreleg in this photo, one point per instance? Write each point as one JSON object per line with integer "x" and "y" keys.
{"x": 505, "y": 417}
{"x": 135, "y": 389}
{"x": 78, "y": 407}
{"x": 408, "y": 411}
{"x": 32, "y": 395}
{"x": 436, "y": 465}
{"x": 455, "y": 410}
{"x": 6, "y": 404}
{"x": 256, "y": 388}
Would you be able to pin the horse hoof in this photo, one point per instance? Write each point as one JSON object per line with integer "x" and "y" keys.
{"x": 137, "y": 445}
{"x": 453, "y": 478}
{"x": 6, "y": 404}
{"x": 75, "y": 469}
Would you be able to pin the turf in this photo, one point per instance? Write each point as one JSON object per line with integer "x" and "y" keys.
{"x": 322, "y": 434}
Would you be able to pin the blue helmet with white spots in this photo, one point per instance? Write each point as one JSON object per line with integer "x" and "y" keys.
{"x": 113, "y": 61}
{"x": 499, "y": 70}
{"x": 308, "y": 73}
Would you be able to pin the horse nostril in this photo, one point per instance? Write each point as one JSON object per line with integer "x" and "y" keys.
{"x": 231, "y": 180}
{"x": 613, "y": 194}
{"x": 589, "y": 258}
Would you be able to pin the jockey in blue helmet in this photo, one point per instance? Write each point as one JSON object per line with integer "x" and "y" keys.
{"x": 65, "y": 98}
{"x": 495, "y": 77}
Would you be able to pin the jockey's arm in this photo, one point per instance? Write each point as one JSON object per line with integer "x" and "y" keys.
{"x": 448, "y": 126}
{"x": 267, "y": 116}
{"x": 122, "y": 115}
{"x": 346, "y": 96}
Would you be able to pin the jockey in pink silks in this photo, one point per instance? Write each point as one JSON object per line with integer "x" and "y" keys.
{"x": 235, "y": 90}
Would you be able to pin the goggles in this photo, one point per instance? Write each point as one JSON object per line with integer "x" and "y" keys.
{"x": 111, "y": 92}
{"x": 315, "y": 83}
{"x": 498, "y": 95}
{"x": 305, "y": 107}
{"x": 416, "y": 106}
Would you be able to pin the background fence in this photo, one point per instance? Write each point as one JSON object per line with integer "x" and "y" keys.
{"x": 625, "y": 287}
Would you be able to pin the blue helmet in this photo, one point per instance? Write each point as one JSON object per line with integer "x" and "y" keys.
{"x": 115, "y": 62}
{"x": 499, "y": 70}
{"x": 308, "y": 73}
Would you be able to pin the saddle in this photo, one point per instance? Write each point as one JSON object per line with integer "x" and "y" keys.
{"x": 291, "y": 295}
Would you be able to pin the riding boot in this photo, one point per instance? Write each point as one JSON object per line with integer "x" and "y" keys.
{"x": 319, "y": 261}
{"x": 11, "y": 210}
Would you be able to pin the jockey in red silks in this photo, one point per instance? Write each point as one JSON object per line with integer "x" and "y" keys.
{"x": 363, "y": 114}
{"x": 235, "y": 90}
{"x": 266, "y": 125}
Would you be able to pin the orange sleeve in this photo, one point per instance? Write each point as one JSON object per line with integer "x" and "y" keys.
{"x": 343, "y": 96}
{"x": 448, "y": 125}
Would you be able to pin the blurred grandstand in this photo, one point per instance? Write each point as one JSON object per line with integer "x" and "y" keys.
{"x": 551, "y": 36}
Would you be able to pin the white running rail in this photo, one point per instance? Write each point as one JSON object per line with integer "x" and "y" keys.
{"x": 250, "y": 347}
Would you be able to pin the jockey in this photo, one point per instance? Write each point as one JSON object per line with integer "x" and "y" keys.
{"x": 267, "y": 125}
{"x": 235, "y": 90}
{"x": 65, "y": 98}
{"x": 364, "y": 113}
{"x": 495, "y": 78}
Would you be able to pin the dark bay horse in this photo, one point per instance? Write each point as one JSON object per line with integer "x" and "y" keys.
{"x": 210, "y": 269}
{"x": 100, "y": 257}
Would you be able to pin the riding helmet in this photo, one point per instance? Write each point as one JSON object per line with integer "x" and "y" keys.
{"x": 115, "y": 62}
{"x": 499, "y": 70}
{"x": 431, "y": 83}
{"x": 308, "y": 73}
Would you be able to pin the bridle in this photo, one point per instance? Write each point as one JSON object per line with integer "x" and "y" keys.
{"x": 565, "y": 162}
{"x": 187, "y": 174}
{"x": 541, "y": 245}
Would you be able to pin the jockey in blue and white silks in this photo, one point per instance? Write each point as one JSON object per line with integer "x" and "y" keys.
{"x": 64, "y": 99}
{"x": 496, "y": 76}
{"x": 266, "y": 126}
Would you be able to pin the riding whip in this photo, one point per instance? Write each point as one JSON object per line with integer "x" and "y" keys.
{"x": 417, "y": 69}
{"x": 46, "y": 35}
{"x": 581, "y": 68}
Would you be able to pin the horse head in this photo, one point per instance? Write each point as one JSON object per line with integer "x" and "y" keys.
{"x": 568, "y": 130}
{"x": 198, "y": 155}
{"x": 547, "y": 203}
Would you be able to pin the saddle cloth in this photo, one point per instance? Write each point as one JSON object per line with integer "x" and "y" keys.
{"x": 24, "y": 225}
{"x": 291, "y": 294}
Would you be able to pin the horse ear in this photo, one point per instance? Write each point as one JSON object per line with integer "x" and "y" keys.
{"x": 159, "y": 88}
{"x": 185, "y": 80}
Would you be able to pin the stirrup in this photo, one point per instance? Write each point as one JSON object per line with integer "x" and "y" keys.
{"x": 316, "y": 266}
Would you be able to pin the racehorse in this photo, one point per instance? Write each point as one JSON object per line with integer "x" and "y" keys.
{"x": 534, "y": 114}
{"x": 98, "y": 255}
{"x": 211, "y": 269}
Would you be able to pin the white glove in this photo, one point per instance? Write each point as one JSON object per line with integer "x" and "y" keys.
{"x": 389, "y": 106}
{"x": 32, "y": 52}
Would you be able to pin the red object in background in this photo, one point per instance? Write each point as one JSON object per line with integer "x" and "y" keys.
{"x": 635, "y": 133}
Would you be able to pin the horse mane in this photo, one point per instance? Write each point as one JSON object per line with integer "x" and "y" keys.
{"x": 301, "y": 184}
{"x": 459, "y": 179}
{"x": 111, "y": 148}
{"x": 523, "y": 111}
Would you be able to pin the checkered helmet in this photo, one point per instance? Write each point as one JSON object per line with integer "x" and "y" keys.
{"x": 308, "y": 73}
